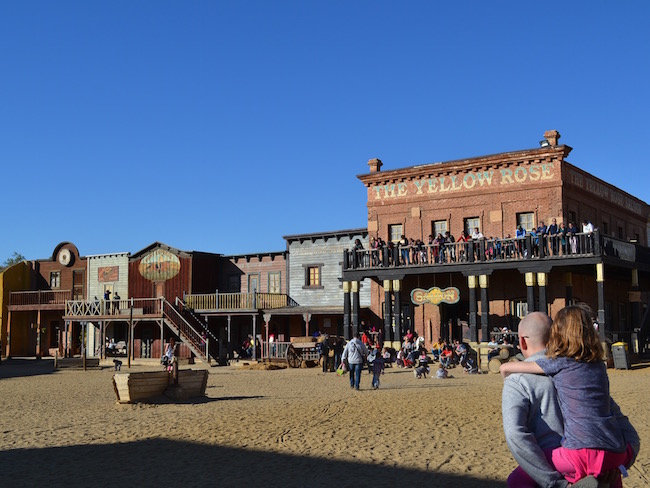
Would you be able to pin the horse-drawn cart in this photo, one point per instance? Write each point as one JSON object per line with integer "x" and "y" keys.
{"x": 302, "y": 349}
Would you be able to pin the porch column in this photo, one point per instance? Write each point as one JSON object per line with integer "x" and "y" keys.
{"x": 346, "y": 310}
{"x": 485, "y": 308}
{"x": 600, "y": 282}
{"x": 389, "y": 335}
{"x": 306, "y": 317}
{"x": 229, "y": 339}
{"x": 542, "y": 279}
{"x": 355, "y": 308}
{"x": 267, "y": 319}
{"x": 473, "y": 332}
{"x": 38, "y": 334}
{"x": 397, "y": 311}
{"x": 568, "y": 293}
{"x": 255, "y": 338}
{"x": 530, "y": 288}
{"x": 634, "y": 298}
{"x": 162, "y": 338}
{"x": 8, "y": 345}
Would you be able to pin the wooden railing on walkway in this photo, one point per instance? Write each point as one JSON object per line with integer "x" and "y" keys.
{"x": 238, "y": 301}
{"x": 39, "y": 297}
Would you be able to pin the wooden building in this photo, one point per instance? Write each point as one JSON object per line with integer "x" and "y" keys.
{"x": 468, "y": 289}
{"x": 35, "y": 324}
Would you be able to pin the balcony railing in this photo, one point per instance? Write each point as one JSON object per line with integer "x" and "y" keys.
{"x": 39, "y": 297}
{"x": 477, "y": 251}
{"x": 238, "y": 301}
{"x": 139, "y": 306}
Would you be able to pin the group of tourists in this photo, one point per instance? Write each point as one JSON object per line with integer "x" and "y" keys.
{"x": 552, "y": 240}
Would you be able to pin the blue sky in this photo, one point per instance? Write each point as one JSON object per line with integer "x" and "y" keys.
{"x": 221, "y": 126}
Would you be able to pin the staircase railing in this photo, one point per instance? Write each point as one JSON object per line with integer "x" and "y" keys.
{"x": 190, "y": 336}
{"x": 198, "y": 324}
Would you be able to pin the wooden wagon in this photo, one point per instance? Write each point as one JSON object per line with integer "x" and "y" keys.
{"x": 302, "y": 349}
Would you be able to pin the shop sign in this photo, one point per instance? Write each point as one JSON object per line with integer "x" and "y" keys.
{"x": 435, "y": 295}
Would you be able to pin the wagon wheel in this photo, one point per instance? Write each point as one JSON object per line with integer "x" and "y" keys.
{"x": 293, "y": 358}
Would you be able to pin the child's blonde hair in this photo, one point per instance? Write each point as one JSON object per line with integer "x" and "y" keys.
{"x": 573, "y": 336}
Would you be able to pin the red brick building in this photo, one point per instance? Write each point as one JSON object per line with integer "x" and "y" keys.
{"x": 493, "y": 280}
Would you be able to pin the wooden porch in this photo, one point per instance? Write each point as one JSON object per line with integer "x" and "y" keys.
{"x": 237, "y": 302}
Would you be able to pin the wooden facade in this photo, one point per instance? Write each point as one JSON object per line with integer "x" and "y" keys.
{"x": 35, "y": 325}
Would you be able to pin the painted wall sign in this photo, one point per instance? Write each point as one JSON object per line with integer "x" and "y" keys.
{"x": 471, "y": 180}
{"x": 435, "y": 295}
{"x": 108, "y": 274}
{"x": 159, "y": 265}
{"x": 603, "y": 191}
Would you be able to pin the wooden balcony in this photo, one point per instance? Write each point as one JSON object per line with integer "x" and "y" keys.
{"x": 122, "y": 309}
{"x": 240, "y": 302}
{"x": 38, "y": 300}
{"x": 506, "y": 253}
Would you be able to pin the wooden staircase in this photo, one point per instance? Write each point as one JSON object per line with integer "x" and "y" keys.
{"x": 189, "y": 328}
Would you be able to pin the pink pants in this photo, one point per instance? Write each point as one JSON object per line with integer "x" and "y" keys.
{"x": 575, "y": 464}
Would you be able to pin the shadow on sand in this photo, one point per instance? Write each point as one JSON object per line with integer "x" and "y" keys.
{"x": 159, "y": 462}
{"x": 20, "y": 367}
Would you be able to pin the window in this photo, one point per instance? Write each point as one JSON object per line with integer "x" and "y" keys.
{"x": 572, "y": 217}
{"x": 78, "y": 285}
{"x": 395, "y": 232}
{"x": 606, "y": 228}
{"x": 620, "y": 232}
{"x": 439, "y": 227}
{"x": 234, "y": 283}
{"x": 55, "y": 279}
{"x": 470, "y": 223}
{"x": 313, "y": 276}
{"x": 274, "y": 283}
{"x": 526, "y": 220}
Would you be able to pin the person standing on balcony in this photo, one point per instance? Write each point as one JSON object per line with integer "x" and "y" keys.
{"x": 107, "y": 302}
{"x": 116, "y": 303}
{"x": 462, "y": 253}
{"x": 404, "y": 250}
{"x": 552, "y": 232}
{"x": 588, "y": 230}
{"x": 520, "y": 233}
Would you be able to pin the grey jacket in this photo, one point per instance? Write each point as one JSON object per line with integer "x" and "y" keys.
{"x": 532, "y": 422}
{"x": 355, "y": 352}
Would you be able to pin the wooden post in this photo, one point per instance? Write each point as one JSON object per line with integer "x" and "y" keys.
{"x": 473, "y": 331}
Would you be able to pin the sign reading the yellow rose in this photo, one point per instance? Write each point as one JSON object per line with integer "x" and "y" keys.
{"x": 435, "y": 295}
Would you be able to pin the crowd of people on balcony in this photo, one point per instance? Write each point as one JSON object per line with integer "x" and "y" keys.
{"x": 552, "y": 240}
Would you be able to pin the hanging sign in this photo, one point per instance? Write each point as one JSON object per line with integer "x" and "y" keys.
{"x": 435, "y": 295}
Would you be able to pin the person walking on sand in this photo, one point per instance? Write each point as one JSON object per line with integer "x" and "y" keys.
{"x": 354, "y": 355}
{"x": 591, "y": 437}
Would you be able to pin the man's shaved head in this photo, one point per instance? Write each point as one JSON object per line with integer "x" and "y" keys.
{"x": 535, "y": 328}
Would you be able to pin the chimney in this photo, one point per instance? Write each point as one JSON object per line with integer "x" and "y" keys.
{"x": 552, "y": 136}
{"x": 375, "y": 165}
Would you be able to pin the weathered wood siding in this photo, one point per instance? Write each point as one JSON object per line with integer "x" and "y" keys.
{"x": 262, "y": 265}
{"x": 108, "y": 269}
{"x": 326, "y": 252}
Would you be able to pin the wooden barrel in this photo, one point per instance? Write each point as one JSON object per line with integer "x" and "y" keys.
{"x": 514, "y": 359}
{"x": 495, "y": 364}
{"x": 504, "y": 353}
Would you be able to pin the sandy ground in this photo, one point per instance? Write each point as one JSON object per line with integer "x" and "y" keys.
{"x": 281, "y": 428}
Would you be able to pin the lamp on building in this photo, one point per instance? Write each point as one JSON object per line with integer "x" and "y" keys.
{"x": 544, "y": 143}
